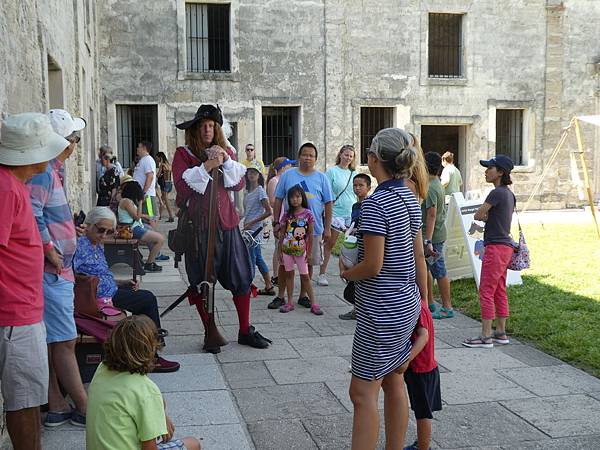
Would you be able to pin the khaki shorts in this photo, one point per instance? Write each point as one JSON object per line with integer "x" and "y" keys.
{"x": 317, "y": 250}
{"x": 23, "y": 366}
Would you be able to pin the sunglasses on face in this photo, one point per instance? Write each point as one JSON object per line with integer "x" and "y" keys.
{"x": 249, "y": 149}
{"x": 102, "y": 230}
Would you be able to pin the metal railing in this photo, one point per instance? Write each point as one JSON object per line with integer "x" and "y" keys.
{"x": 373, "y": 119}
{"x": 208, "y": 37}
{"x": 445, "y": 45}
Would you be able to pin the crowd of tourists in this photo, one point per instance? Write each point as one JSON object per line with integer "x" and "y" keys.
{"x": 399, "y": 229}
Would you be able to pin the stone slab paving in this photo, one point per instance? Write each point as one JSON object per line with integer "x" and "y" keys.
{"x": 295, "y": 394}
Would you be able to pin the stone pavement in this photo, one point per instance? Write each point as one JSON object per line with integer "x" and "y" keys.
{"x": 295, "y": 394}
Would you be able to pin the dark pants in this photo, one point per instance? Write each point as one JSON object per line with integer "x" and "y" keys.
{"x": 138, "y": 302}
{"x": 231, "y": 262}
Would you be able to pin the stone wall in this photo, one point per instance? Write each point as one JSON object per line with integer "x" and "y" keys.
{"x": 332, "y": 58}
{"x": 48, "y": 60}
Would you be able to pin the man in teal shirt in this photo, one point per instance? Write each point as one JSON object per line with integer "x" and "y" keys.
{"x": 434, "y": 236}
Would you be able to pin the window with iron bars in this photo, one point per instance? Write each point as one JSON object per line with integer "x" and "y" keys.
{"x": 279, "y": 132}
{"x": 373, "y": 119}
{"x": 445, "y": 45}
{"x": 509, "y": 134}
{"x": 135, "y": 123}
{"x": 208, "y": 37}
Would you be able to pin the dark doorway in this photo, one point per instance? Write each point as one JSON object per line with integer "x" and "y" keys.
{"x": 136, "y": 123}
{"x": 279, "y": 132}
{"x": 442, "y": 138}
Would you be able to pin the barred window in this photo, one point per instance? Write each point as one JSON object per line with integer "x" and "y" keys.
{"x": 509, "y": 134}
{"x": 373, "y": 119}
{"x": 279, "y": 132}
{"x": 445, "y": 45}
{"x": 135, "y": 123}
{"x": 208, "y": 37}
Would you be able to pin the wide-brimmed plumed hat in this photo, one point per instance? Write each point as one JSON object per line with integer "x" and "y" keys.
{"x": 28, "y": 138}
{"x": 204, "y": 112}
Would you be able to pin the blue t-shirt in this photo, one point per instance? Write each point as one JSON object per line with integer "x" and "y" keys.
{"x": 341, "y": 186}
{"x": 317, "y": 189}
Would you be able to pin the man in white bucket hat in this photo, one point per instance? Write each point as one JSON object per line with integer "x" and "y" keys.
{"x": 27, "y": 143}
{"x": 57, "y": 230}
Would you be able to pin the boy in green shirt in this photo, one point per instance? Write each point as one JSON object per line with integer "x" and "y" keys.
{"x": 434, "y": 236}
{"x": 125, "y": 407}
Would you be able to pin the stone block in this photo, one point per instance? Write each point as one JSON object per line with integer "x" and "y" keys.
{"x": 334, "y": 327}
{"x": 458, "y": 426}
{"x": 529, "y": 355}
{"x": 280, "y": 434}
{"x": 63, "y": 439}
{"x": 459, "y": 388}
{"x": 291, "y": 401}
{"x": 247, "y": 375}
{"x": 462, "y": 321}
{"x": 234, "y": 352}
{"x": 218, "y": 437}
{"x": 475, "y": 359}
{"x": 184, "y": 327}
{"x": 301, "y": 314}
{"x": 574, "y": 443}
{"x": 553, "y": 380}
{"x": 183, "y": 345}
{"x": 201, "y": 408}
{"x": 309, "y": 370}
{"x": 453, "y": 337}
{"x": 441, "y": 344}
{"x": 197, "y": 373}
{"x": 562, "y": 416}
{"x": 323, "y": 346}
{"x": 181, "y": 312}
{"x": 340, "y": 390}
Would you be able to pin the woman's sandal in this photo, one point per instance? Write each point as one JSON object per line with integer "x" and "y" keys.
{"x": 479, "y": 342}
{"x": 500, "y": 338}
{"x": 443, "y": 313}
{"x": 265, "y": 291}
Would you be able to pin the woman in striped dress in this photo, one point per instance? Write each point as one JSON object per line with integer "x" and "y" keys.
{"x": 387, "y": 291}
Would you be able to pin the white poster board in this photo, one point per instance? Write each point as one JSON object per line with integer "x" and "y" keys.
{"x": 463, "y": 259}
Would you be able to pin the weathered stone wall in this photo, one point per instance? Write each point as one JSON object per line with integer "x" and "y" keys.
{"x": 332, "y": 58}
{"x": 64, "y": 33}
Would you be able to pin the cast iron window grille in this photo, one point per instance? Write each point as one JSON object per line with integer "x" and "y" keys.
{"x": 509, "y": 134}
{"x": 445, "y": 45}
{"x": 373, "y": 119}
{"x": 207, "y": 37}
{"x": 135, "y": 123}
{"x": 279, "y": 133}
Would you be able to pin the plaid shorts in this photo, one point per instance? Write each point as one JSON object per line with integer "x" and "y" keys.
{"x": 175, "y": 443}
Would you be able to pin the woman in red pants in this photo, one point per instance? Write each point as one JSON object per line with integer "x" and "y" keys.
{"x": 496, "y": 212}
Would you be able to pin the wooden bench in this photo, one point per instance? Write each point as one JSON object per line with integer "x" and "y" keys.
{"x": 123, "y": 251}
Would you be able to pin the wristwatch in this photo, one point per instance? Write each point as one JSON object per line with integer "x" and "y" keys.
{"x": 427, "y": 242}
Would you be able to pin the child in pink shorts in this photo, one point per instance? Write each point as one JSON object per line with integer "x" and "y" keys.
{"x": 295, "y": 243}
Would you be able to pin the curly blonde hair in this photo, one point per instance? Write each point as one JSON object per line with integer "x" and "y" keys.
{"x": 132, "y": 346}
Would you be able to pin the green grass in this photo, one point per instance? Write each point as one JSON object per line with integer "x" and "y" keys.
{"x": 557, "y": 308}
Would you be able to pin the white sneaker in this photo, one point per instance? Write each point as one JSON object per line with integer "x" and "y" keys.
{"x": 322, "y": 280}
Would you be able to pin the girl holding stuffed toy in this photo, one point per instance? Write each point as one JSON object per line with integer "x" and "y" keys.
{"x": 295, "y": 245}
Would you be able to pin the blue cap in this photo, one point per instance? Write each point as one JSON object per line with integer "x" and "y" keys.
{"x": 284, "y": 163}
{"x": 502, "y": 162}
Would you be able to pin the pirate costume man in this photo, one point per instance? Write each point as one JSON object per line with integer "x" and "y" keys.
{"x": 193, "y": 183}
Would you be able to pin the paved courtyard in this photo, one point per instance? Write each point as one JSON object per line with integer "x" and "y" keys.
{"x": 294, "y": 395}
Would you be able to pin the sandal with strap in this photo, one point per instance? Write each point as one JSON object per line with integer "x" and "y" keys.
{"x": 287, "y": 308}
{"x": 500, "y": 338}
{"x": 479, "y": 342}
{"x": 443, "y": 313}
{"x": 265, "y": 291}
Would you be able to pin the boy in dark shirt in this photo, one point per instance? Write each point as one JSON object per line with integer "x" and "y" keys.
{"x": 422, "y": 379}
{"x": 361, "y": 186}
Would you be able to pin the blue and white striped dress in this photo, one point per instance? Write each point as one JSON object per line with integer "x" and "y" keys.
{"x": 388, "y": 305}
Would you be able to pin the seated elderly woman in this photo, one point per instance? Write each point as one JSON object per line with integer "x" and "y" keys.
{"x": 89, "y": 259}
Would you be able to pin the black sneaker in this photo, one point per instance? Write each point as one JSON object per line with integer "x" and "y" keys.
{"x": 304, "y": 301}
{"x": 276, "y": 303}
{"x": 253, "y": 339}
{"x": 152, "y": 267}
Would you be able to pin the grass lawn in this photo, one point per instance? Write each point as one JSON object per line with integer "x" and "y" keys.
{"x": 558, "y": 306}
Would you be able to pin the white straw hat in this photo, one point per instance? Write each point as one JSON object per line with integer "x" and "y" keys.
{"x": 63, "y": 123}
{"x": 28, "y": 138}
